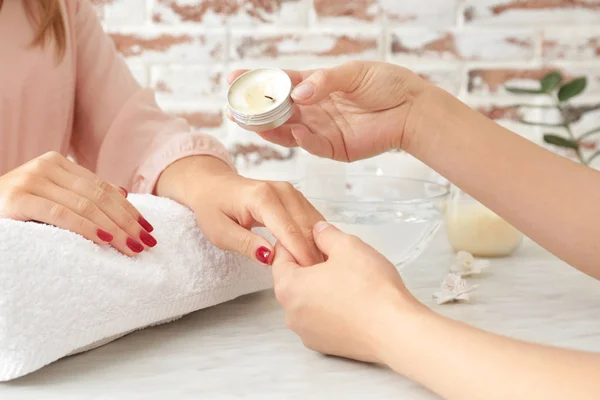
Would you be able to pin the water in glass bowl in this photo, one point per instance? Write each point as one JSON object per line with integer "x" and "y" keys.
{"x": 396, "y": 216}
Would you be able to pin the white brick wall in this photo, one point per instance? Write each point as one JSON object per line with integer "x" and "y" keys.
{"x": 185, "y": 48}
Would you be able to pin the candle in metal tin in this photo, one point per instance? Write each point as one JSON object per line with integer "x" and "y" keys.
{"x": 260, "y": 100}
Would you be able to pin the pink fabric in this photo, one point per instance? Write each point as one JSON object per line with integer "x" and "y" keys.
{"x": 88, "y": 106}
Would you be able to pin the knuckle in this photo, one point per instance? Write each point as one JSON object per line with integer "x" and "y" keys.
{"x": 101, "y": 196}
{"x": 291, "y": 229}
{"x": 81, "y": 225}
{"x": 27, "y": 181}
{"x": 286, "y": 187}
{"x": 58, "y": 212}
{"x": 245, "y": 244}
{"x": 130, "y": 224}
{"x": 264, "y": 192}
{"x": 53, "y": 156}
{"x": 85, "y": 207}
{"x": 103, "y": 185}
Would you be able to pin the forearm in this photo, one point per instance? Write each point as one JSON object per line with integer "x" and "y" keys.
{"x": 549, "y": 198}
{"x": 461, "y": 362}
{"x": 185, "y": 178}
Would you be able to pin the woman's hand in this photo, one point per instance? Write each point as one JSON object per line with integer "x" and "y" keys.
{"x": 228, "y": 206}
{"x": 53, "y": 190}
{"x": 340, "y": 307}
{"x": 351, "y": 112}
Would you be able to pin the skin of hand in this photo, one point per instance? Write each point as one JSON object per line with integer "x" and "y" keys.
{"x": 355, "y": 305}
{"x": 52, "y": 189}
{"x": 228, "y": 206}
{"x": 350, "y": 112}
{"x": 336, "y": 306}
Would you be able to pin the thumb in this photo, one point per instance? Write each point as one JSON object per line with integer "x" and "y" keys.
{"x": 327, "y": 236}
{"x": 322, "y": 83}
{"x": 233, "y": 237}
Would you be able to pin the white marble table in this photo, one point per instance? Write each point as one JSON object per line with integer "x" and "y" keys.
{"x": 243, "y": 350}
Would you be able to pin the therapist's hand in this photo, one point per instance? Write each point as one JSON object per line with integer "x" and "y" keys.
{"x": 341, "y": 307}
{"x": 351, "y": 112}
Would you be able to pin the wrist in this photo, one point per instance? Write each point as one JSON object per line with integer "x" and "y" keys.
{"x": 186, "y": 179}
{"x": 397, "y": 317}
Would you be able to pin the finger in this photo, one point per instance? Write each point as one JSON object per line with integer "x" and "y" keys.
{"x": 271, "y": 212}
{"x": 110, "y": 202}
{"x": 328, "y": 236}
{"x": 87, "y": 209}
{"x": 303, "y": 213}
{"x": 282, "y": 255}
{"x": 103, "y": 188}
{"x": 48, "y": 212}
{"x": 232, "y": 237}
{"x": 315, "y": 144}
{"x": 322, "y": 83}
{"x": 281, "y": 136}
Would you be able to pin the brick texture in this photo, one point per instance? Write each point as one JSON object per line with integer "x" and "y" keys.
{"x": 184, "y": 49}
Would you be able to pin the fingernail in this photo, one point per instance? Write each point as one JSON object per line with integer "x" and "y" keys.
{"x": 145, "y": 224}
{"x": 321, "y": 226}
{"x": 148, "y": 239}
{"x": 302, "y": 92}
{"x": 134, "y": 246}
{"x": 263, "y": 255}
{"x": 104, "y": 236}
{"x": 124, "y": 191}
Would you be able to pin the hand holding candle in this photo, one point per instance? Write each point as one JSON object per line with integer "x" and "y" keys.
{"x": 336, "y": 115}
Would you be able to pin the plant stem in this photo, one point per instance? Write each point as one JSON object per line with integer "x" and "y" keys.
{"x": 524, "y": 122}
{"x": 565, "y": 124}
{"x": 592, "y": 157}
{"x": 590, "y": 133}
{"x": 531, "y": 106}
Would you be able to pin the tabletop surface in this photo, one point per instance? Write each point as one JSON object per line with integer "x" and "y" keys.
{"x": 242, "y": 349}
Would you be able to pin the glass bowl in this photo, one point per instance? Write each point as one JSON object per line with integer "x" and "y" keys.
{"x": 396, "y": 216}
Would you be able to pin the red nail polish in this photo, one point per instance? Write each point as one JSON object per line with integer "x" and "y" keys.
{"x": 263, "y": 255}
{"x": 148, "y": 239}
{"x": 125, "y": 192}
{"x": 134, "y": 246}
{"x": 104, "y": 236}
{"x": 145, "y": 224}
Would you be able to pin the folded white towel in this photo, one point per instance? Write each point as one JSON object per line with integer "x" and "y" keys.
{"x": 61, "y": 294}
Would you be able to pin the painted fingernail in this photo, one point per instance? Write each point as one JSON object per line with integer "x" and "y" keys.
{"x": 148, "y": 239}
{"x": 263, "y": 255}
{"x": 134, "y": 246}
{"x": 104, "y": 236}
{"x": 145, "y": 224}
{"x": 321, "y": 226}
{"x": 124, "y": 191}
{"x": 302, "y": 92}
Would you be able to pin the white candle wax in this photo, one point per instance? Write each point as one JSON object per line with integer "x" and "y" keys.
{"x": 259, "y": 91}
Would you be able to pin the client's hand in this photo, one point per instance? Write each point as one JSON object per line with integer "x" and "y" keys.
{"x": 340, "y": 307}
{"x": 350, "y": 112}
{"x": 228, "y": 205}
{"x": 53, "y": 190}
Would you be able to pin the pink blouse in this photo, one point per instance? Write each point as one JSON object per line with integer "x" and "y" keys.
{"x": 88, "y": 106}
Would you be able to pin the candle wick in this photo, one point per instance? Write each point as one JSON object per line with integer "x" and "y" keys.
{"x": 270, "y": 98}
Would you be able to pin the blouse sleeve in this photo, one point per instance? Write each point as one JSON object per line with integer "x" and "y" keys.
{"x": 119, "y": 131}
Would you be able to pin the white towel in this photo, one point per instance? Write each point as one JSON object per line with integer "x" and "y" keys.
{"x": 61, "y": 294}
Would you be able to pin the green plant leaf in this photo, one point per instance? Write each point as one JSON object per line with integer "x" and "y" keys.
{"x": 561, "y": 141}
{"x": 516, "y": 90}
{"x": 551, "y": 81}
{"x": 572, "y": 89}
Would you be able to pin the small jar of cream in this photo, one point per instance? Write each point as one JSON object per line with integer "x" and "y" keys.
{"x": 472, "y": 227}
{"x": 260, "y": 100}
